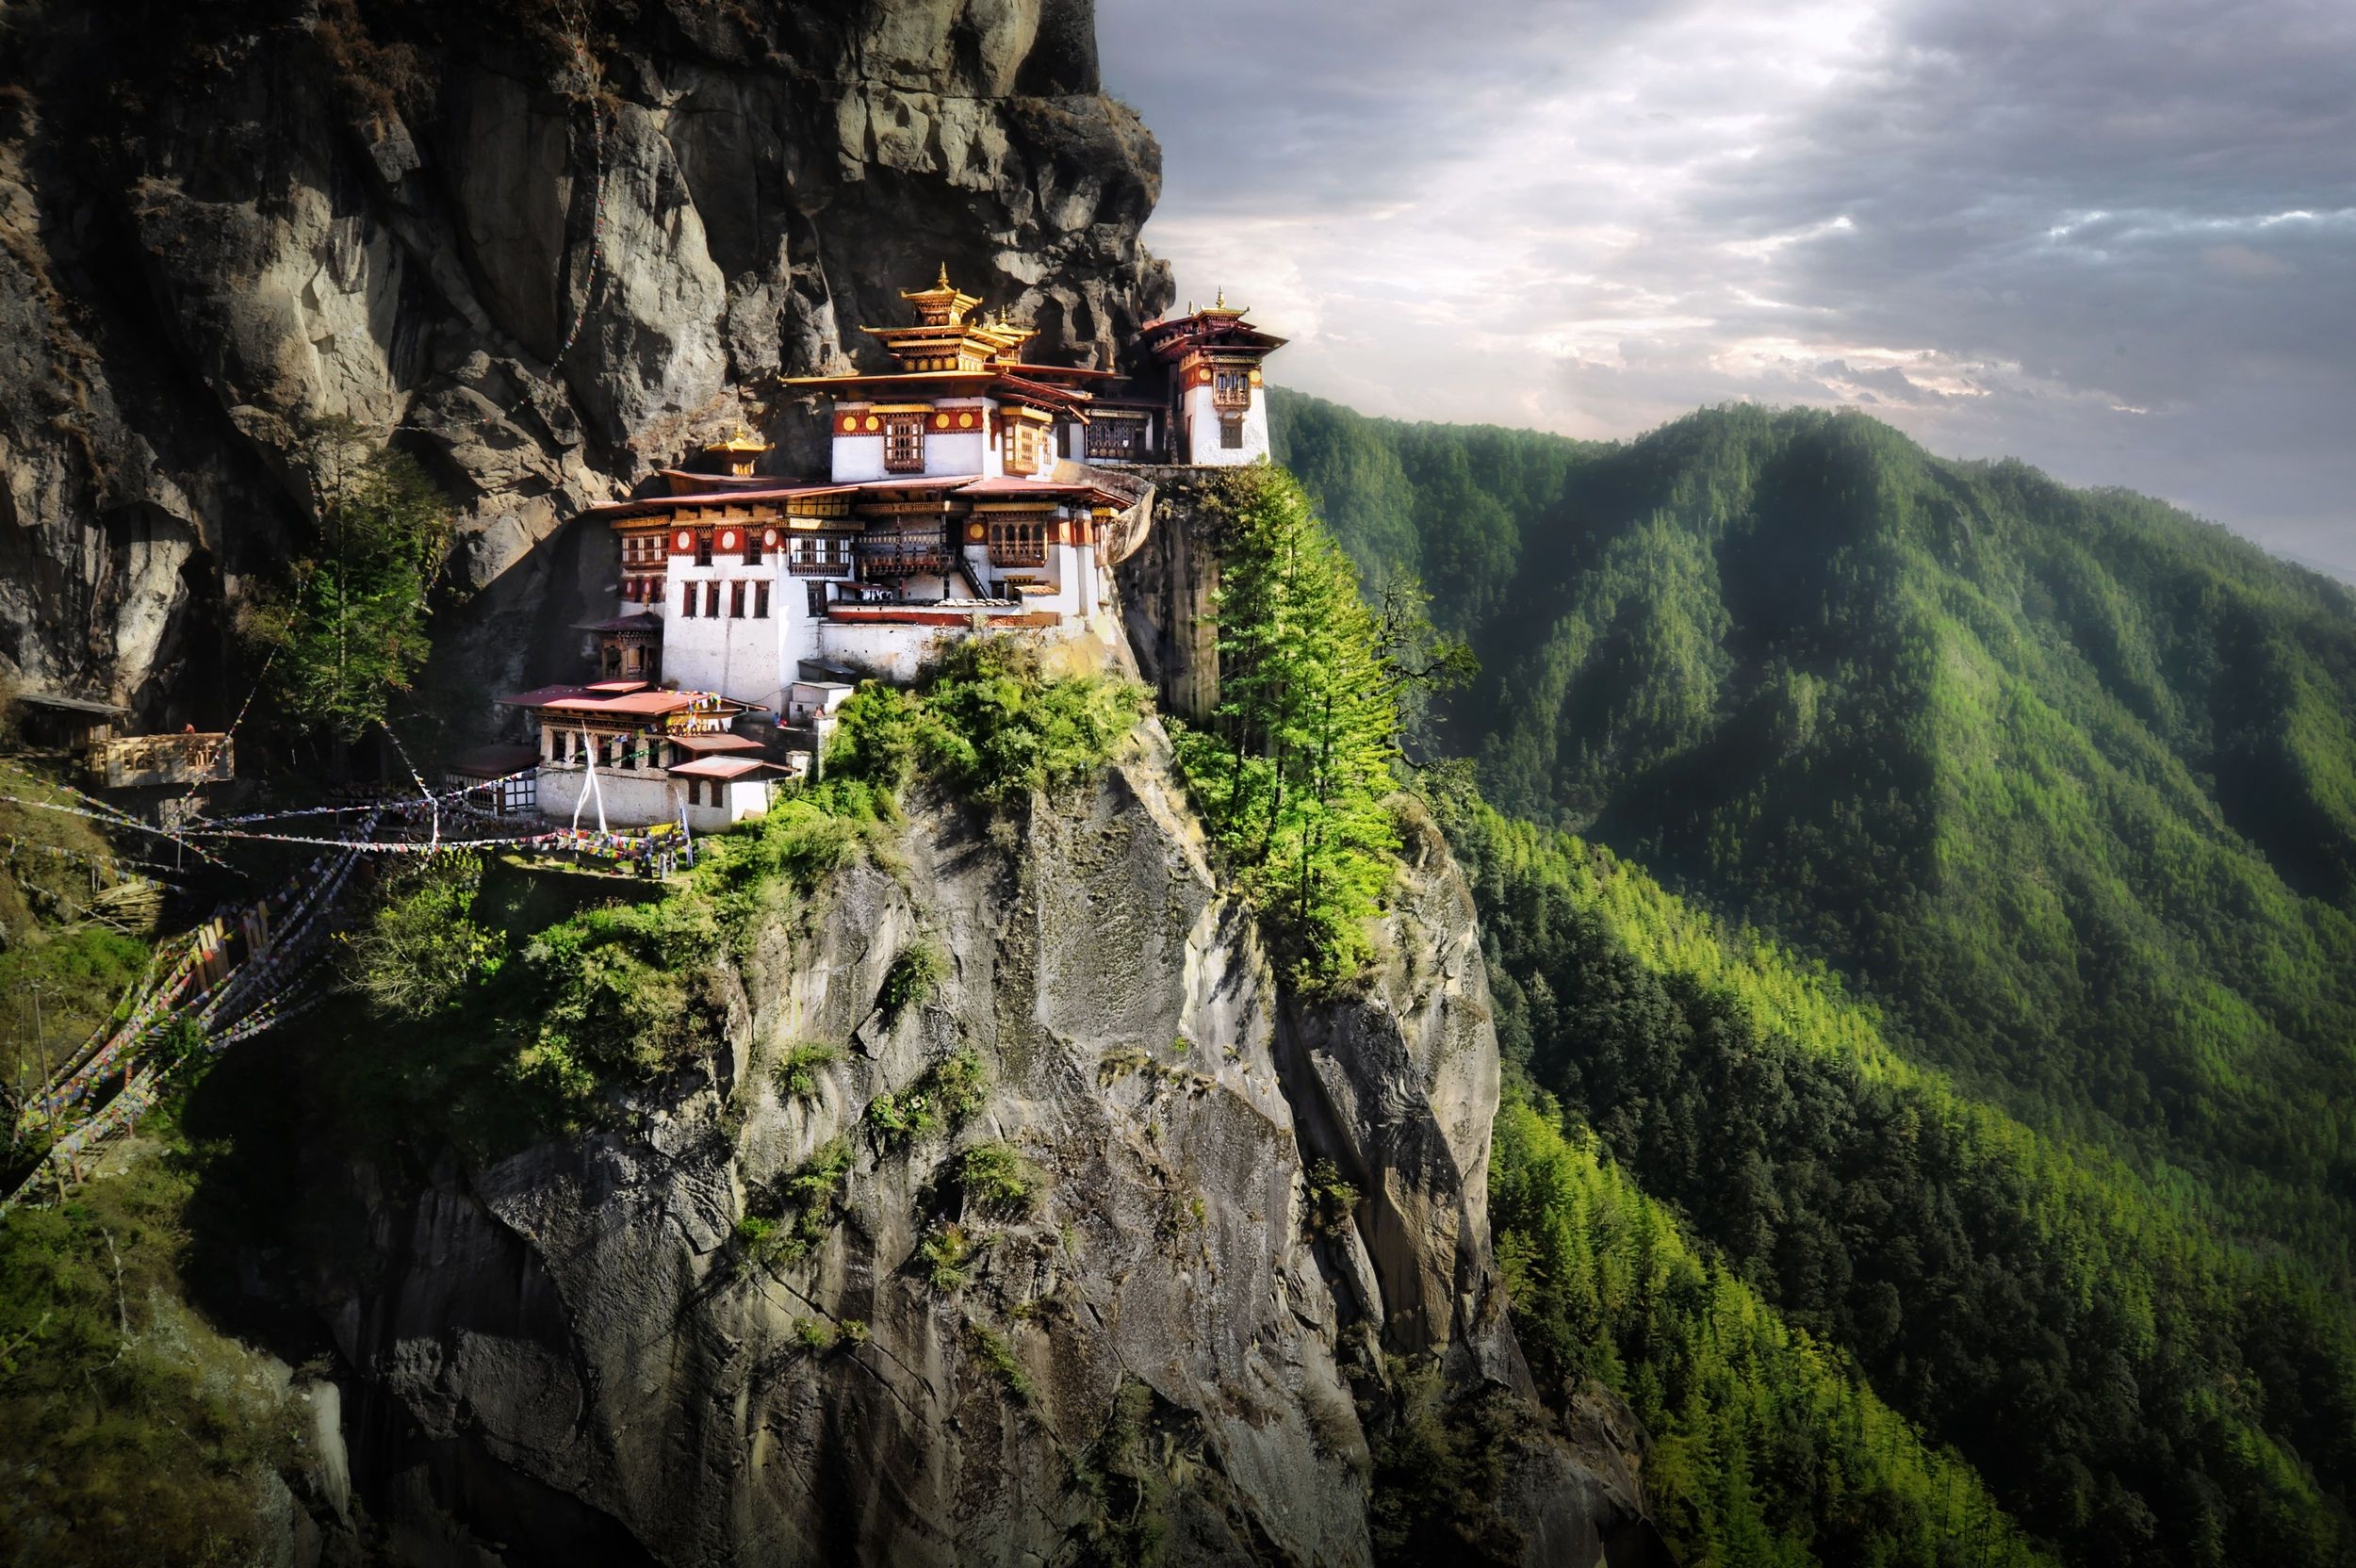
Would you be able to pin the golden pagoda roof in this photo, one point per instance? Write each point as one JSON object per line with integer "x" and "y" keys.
{"x": 942, "y": 340}
{"x": 943, "y": 304}
{"x": 743, "y": 441}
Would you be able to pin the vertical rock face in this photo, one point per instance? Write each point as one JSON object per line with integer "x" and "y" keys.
{"x": 1169, "y": 589}
{"x": 545, "y": 247}
{"x": 571, "y": 1349}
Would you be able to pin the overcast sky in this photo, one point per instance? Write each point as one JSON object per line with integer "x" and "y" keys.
{"x": 2117, "y": 240}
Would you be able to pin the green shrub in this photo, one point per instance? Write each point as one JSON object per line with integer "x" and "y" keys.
{"x": 948, "y": 1093}
{"x": 134, "y": 1432}
{"x": 421, "y": 949}
{"x": 806, "y": 1203}
{"x": 349, "y": 627}
{"x": 948, "y": 1252}
{"x": 991, "y": 1349}
{"x": 995, "y": 1178}
{"x": 913, "y": 978}
{"x": 1332, "y": 1200}
{"x": 986, "y": 720}
{"x": 1003, "y": 730}
{"x": 962, "y": 1080}
{"x": 798, "y": 1075}
{"x": 814, "y": 1334}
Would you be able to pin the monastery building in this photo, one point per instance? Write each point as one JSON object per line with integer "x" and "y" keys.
{"x": 969, "y": 492}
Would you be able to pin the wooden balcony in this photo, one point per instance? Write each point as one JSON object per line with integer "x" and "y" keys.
{"x": 819, "y": 565}
{"x": 904, "y": 564}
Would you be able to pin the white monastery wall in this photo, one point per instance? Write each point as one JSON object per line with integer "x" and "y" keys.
{"x": 631, "y": 799}
{"x": 888, "y": 652}
{"x": 1201, "y": 421}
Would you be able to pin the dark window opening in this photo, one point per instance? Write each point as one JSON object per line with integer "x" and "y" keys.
{"x": 703, "y": 546}
{"x": 1018, "y": 542}
{"x": 1117, "y": 439}
{"x": 760, "y": 601}
{"x": 1230, "y": 431}
{"x": 687, "y": 600}
{"x": 736, "y": 601}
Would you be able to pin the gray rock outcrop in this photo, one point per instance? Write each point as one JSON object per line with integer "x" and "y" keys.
{"x": 544, "y": 248}
{"x": 572, "y": 1346}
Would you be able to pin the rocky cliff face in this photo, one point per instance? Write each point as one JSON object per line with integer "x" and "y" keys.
{"x": 1174, "y": 1343}
{"x": 545, "y": 245}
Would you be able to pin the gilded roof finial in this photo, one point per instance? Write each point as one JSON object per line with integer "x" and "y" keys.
{"x": 1221, "y": 303}
{"x": 944, "y": 276}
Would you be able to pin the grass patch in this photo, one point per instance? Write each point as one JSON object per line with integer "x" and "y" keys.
{"x": 995, "y": 1178}
{"x": 948, "y": 1093}
{"x": 991, "y": 1349}
{"x": 914, "y": 978}
{"x": 947, "y": 1253}
{"x": 798, "y": 1074}
{"x": 798, "y": 1213}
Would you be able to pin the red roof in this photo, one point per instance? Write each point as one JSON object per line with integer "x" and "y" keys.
{"x": 919, "y": 482}
{"x": 892, "y": 378}
{"x": 1045, "y": 489}
{"x": 616, "y": 688}
{"x": 540, "y": 696}
{"x": 685, "y": 482}
{"x": 724, "y": 741}
{"x": 774, "y": 492}
{"x": 723, "y": 767}
{"x": 634, "y": 702}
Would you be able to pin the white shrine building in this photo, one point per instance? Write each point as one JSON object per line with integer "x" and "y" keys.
{"x": 963, "y": 498}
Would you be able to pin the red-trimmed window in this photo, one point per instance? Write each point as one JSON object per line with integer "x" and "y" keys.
{"x": 687, "y": 602}
{"x": 760, "y": 601}
{"x": 904, "y": 443}
{"x": 736, "y": 601}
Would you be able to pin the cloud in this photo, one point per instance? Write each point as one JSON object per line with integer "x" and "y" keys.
{"x": 2118, "y": 244}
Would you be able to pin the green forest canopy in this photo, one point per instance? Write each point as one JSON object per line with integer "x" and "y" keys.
{"x": 2060, "y": 782}
{"x": 2064, "y": 779}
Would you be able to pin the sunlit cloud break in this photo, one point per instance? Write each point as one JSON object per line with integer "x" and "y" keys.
{"x": 2038, "y": 234}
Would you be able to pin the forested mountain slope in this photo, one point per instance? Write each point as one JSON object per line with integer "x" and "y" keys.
{"x": 2132, "y": 1389}
{"x": 2065, "y": 779}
